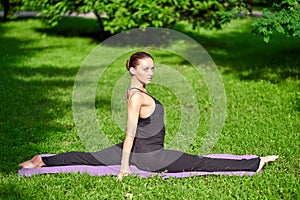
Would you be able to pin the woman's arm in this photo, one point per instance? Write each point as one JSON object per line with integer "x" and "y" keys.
{"x": 134, "y": 106}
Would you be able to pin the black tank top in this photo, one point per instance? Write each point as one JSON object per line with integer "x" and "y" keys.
{"x": 150, "y": 131}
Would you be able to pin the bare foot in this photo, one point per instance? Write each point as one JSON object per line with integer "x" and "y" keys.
{"x": 264, "y": 160}
{"x": 34, "y": 162}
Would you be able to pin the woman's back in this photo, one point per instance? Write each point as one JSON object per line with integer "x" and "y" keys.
{"x": 150, "y": 131}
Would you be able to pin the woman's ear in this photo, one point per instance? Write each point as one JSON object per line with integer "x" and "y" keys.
{"x": 132, "y": 70}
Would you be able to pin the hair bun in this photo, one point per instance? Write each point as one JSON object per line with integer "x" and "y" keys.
{"x": 127, "y": 64}
{"x": 134, "y": 59}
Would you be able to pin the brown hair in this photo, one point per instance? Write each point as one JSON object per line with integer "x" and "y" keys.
{"x": 134, "y": 59}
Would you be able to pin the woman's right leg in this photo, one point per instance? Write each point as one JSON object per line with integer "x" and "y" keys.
{"x": 109, "y": 156}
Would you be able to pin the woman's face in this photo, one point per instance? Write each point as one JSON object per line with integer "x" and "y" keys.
{"x": 144, "y": 70}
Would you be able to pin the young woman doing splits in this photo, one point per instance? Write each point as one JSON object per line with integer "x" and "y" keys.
{"x": 143, "y": 145}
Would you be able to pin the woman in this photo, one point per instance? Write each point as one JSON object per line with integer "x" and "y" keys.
{"x": 143, "y": 145}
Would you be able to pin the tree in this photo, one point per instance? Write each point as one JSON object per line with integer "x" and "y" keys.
{"x": 5, "y": 4}
{"x": 9, "y": 7}
{"x": 122, "y": 15}
{"x": 283, "y": 17}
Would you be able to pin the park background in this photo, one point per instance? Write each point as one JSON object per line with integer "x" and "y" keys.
{"x": 257, "y": 54}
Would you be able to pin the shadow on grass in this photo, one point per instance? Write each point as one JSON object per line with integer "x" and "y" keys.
{"x": 245, "y": 55}
{"x": 76, "y": 27}
{"x": 36, "y": 102}
{"x": 27, "y": 114}
{"x": 69, "y": 27}
{"x": 236, "y": 52}
{"x": 13, "y": 191}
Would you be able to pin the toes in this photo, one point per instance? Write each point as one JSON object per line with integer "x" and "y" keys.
{"x": 271, "y": 158}
{"x": 26, "y": 164}
{"x": 265, "y": 160}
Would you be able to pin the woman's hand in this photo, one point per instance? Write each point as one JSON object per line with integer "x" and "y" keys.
{"x": 123, "y": 172}
{"x": 127, "y": 145}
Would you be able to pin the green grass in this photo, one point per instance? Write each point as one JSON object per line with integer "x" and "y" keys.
{"x": 38, "y": 70}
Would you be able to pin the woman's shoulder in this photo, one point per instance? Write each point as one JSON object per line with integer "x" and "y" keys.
{"x": 134, "y": 94}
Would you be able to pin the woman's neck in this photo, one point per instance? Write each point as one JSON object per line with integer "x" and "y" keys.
{"x": 137, "y": 84}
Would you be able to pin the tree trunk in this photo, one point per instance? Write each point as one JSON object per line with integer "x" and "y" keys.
{"x": 103, "y": 34}
{"x": 6, "y": 9}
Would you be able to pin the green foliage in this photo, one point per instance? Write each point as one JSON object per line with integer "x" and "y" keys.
{"x": 124, "y": 15}
{"x": 134, "y": 14}
{"x": 283, "y": 18}
{"x": 55, "y": 10}
{"x": 9, "y": 8}
{"x": 210, "y": 14}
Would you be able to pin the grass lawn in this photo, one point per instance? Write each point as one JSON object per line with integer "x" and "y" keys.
{"x": 38, "y": 69}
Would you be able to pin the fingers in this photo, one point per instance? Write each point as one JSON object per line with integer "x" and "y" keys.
{"x": 119, "y": 177}
{"x": 122, "y": 174}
